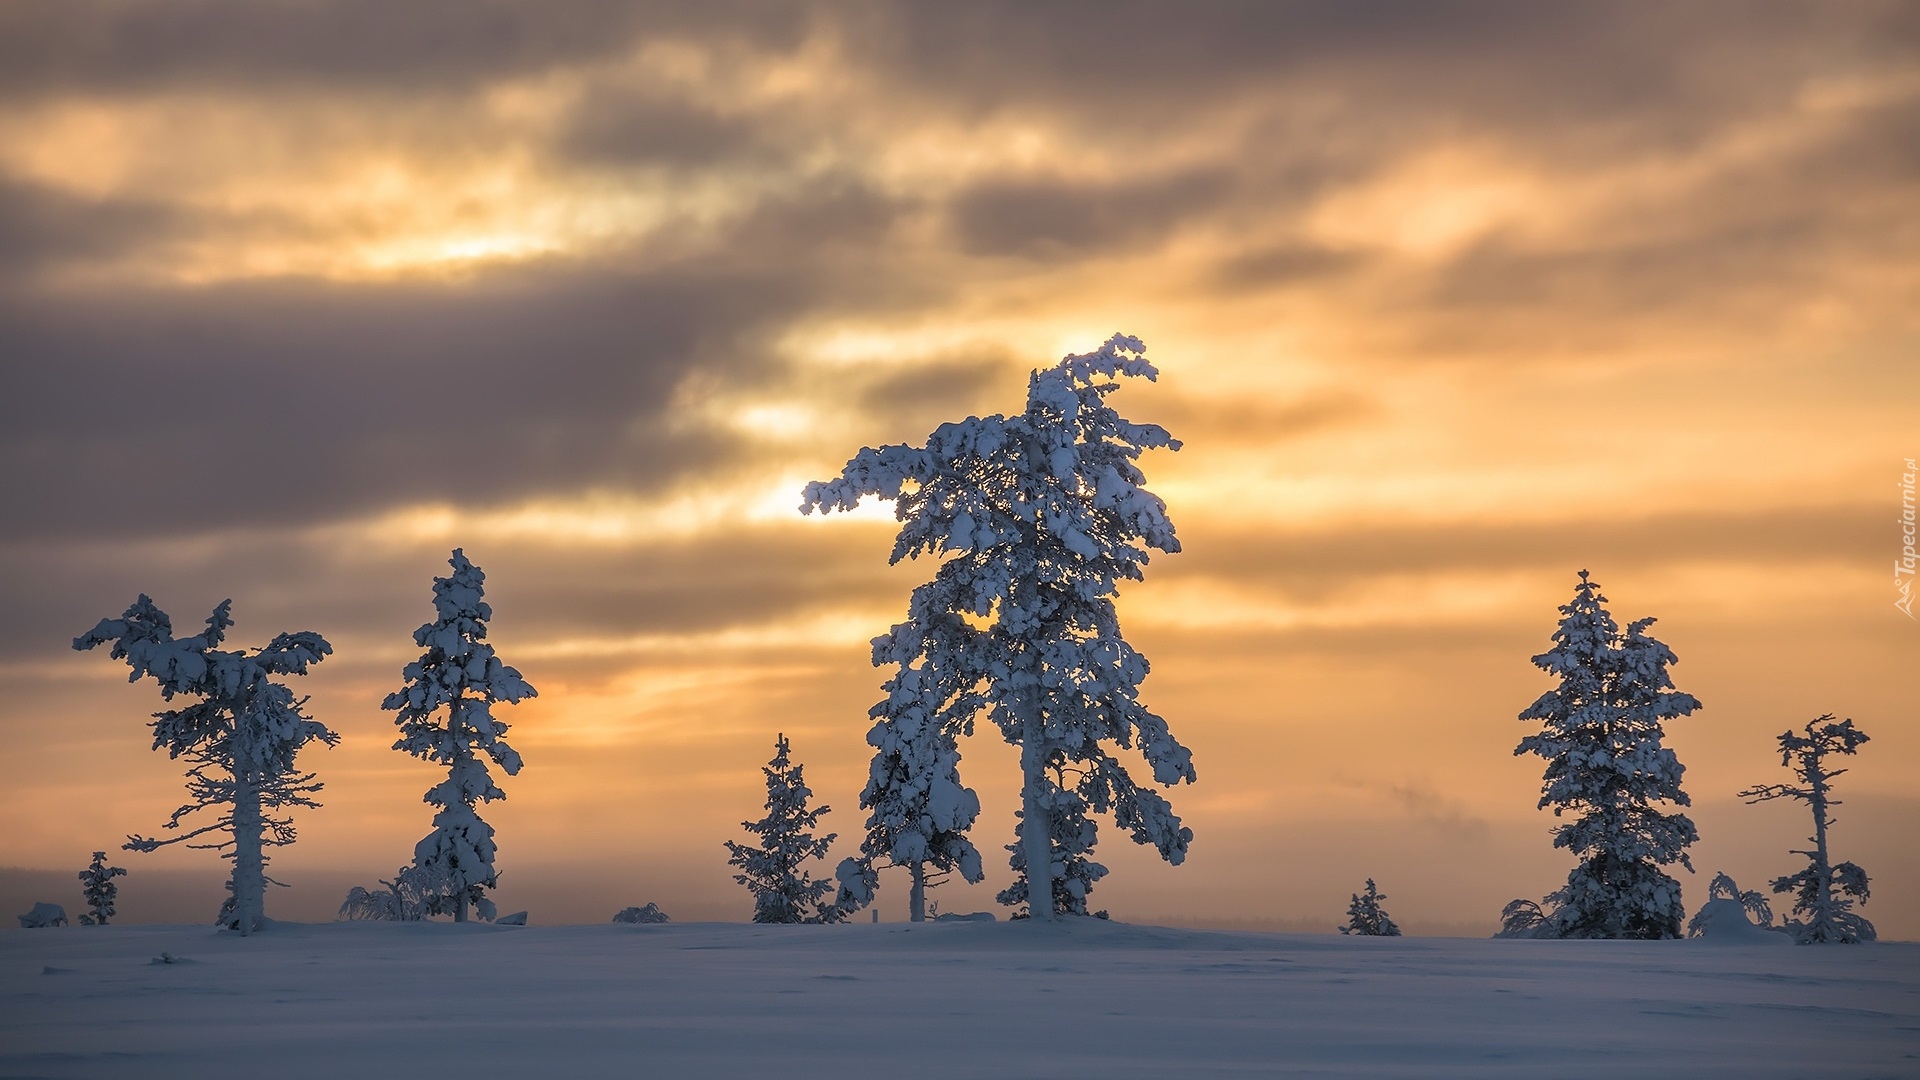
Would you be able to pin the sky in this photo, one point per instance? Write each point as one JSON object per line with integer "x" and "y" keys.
{"x": 1449, "y": 301}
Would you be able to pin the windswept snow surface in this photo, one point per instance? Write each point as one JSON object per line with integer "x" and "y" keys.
{"x": 1085, "y": 999}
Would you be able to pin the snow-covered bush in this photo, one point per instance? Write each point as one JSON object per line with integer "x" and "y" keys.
{"x": 1521, "y": 919}
{"x": 44, "y": 916}
{"x": 1722, "y": 921}
{"x": 1601, "y": 733}
{"x": 651, "y": 913}
{"x": 97, "y": 885}
{"x": 445, "y": 715}
{"x": 241, "y": 736}
{"x": 410, "y": 896}
{"x": 774, "y": 870}
{"x": 1367, "y": 918}
{"x": 1753, "y": 905}
{"x": 1734, "y": 915}
{"x": 376, "y": 905}
{"x": 1823, "y": 893}
{"x": 1036, "y": 519}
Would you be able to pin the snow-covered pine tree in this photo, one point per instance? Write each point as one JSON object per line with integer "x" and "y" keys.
{"x": 1365, "y": 916}
{"x": 445, "y": 715}
{"x": 97, "y": 885}
{"x": 774, "y": 870}
{"x": 1037, "y": 518}
{"x": 1601, "y": 737}
{"x": 241, "y": 736}
{"x": 1823, "y": 893}
{"x": 919, "y": 812}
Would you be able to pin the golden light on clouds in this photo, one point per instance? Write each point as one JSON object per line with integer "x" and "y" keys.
{"x": 1443, "y": 315}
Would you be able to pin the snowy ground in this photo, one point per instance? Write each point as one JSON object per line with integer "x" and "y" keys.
{"x": 1090, "y": 999}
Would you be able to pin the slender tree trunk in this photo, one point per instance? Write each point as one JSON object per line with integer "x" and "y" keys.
{"x": 1823, "y": 872}
{"x": 249, "y": 868}
{"x": 1036, "y": 835}
{"x": 460, "y": 906}
{"x": 917, "y": 898}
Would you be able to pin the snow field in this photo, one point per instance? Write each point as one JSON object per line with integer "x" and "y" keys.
{"x": 1082, "y": 999}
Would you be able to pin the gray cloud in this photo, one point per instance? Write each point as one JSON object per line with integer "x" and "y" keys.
{"x": 1316, "y": 563}
{"x": 1067, "y": 220}
{"x": 1586, "y": 75}
{"x": 189, "y": 409}
{"x": 640, "y": 128}
{"x": 43, "y": 228}
{"x": 1582, "y": 74}
{"x": 288, "y": 579}
{"x": 1285, "y": 265}
{"x": 354, "y": 46}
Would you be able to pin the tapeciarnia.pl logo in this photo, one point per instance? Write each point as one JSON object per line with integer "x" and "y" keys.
{"x": 1903, "y": 566}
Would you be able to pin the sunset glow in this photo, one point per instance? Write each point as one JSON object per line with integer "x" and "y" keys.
{"x": 1443, "y": 314}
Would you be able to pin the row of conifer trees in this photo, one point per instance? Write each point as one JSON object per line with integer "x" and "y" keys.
{"x": 1032, "y": 521}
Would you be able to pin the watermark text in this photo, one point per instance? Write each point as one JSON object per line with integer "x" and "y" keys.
{"x": 1903, "y": 566}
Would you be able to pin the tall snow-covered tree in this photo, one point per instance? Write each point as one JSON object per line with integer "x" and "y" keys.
{"x": 1601, "y": 735}
{"x": 1036, "y": 519}
{"x": 774, "y": 870}
{"x": 1365, "y": 916}
{"x": 1823, "y": 893}
{"x": 97, "y": 885}
{"x": 918, "y": 810}
{"x": 445, "y": 715}
{"x": 241, "y": 735}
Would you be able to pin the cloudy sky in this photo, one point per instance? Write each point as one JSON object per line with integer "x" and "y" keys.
{"x": 1450, "y": 301}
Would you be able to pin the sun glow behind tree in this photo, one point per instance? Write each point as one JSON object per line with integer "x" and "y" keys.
{"x": 272, "y": 283}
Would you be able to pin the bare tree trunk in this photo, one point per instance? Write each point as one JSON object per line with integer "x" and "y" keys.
{"x": 917, "y": 898}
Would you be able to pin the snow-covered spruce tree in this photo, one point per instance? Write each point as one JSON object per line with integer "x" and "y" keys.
{"x": 918, "y": 811}
{"x": 445, "y": 715}
{"x": 1037, "y": 518}
{"x": 241, "y": 736}
{"x": 97, "y": 885}
{"x": 1601, "y": 737}
{"x": 1365, "y": 916}
{"x": 1823, "y": 893}
{"x": 774, "y": 870}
